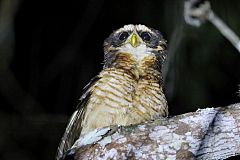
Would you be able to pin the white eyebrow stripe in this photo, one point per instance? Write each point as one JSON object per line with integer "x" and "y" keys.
{"x": 141, "y": 27}
{"x": 132, "y": 27}
{"x": 129, "y": 27}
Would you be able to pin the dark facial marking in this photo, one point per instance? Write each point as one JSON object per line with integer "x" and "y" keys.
{"x": 155, "y": 39}
{"x": 116, "y": 40}
{"x": 123, "y": 36}
{"x": 146, "y": 36}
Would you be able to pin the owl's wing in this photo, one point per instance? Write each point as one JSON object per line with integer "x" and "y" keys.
{"x": 74, "y": 128}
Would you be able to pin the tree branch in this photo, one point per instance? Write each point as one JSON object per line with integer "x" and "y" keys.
{"x": 211, "y": 133}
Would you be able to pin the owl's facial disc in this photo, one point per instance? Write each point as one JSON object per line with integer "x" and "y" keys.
{"x": 137, "y": 40}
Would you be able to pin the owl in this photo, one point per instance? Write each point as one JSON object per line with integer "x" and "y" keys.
{"x": 128, "y": 90}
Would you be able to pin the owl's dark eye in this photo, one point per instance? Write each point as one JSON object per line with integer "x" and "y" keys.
{"x": 145, "y": 36}
{"x": 123, "y": 36}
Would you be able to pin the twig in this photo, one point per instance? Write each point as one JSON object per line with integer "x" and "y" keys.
{"x": 196, "y": 16}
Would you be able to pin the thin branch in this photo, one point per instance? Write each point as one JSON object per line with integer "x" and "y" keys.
{"x": 196, "y": 16}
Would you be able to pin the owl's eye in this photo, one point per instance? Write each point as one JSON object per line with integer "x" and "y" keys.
{"x": 123, "y": 36}
{"x": 145, "y": 36}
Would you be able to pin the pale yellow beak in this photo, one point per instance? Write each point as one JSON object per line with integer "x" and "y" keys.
{"x": 134, "y": 41}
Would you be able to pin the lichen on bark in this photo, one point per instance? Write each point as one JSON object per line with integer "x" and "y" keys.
{"x": 211, "y": 133}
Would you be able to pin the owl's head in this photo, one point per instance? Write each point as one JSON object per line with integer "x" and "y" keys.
{"x": 137, "y": 40}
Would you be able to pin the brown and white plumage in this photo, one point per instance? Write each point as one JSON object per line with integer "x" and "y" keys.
{"x": 129, "y": 88}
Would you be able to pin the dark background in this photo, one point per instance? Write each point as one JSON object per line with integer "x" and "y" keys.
{"x": 49, "y": 50}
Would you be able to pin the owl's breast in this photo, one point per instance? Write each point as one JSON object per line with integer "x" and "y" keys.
{"x": 126, "y": 93}
{"x": 111, "y": 100}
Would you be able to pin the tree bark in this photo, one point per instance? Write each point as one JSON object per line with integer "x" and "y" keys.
{"x": 211, "y": 133}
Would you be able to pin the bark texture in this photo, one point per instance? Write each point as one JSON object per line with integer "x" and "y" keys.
{"x": 211, "y": 133}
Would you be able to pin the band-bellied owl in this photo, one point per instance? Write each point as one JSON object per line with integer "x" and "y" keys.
{"x": 129, "y": 88}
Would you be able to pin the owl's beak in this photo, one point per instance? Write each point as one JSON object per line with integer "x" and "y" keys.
{"x": 134, "y": 41}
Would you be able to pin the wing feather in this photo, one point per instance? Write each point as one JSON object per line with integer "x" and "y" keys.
{"x": 74, "y": 128}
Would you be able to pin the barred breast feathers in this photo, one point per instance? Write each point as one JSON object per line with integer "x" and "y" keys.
{"x": 128, "y": 92}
